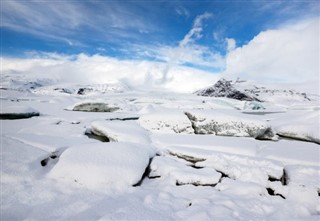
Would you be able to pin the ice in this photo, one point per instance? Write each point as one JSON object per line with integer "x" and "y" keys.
{"x": 92, "y": 106}
{"x": 125, "y": 131}
{"x": 304, "y": 176}
{"x": 101, "y": 166}
{"x": 229, "y": 123}
{"x": 15, "y": 111}
{"x": 166, "y": 122}
{"x": 182, "y": 174}
{"x": 303, "y": 126}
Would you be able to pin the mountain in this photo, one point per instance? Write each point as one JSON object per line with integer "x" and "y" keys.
{"x": 224, "y": 88}
{"x": 245, "y": 91}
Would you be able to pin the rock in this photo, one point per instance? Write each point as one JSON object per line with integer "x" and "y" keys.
{"x": 224, "y": 88}
{"x": 94, "y": 107}
{"x": 17, "y": 112}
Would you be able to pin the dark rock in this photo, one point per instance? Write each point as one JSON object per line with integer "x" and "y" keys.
{"x": 16, "y": 116}
{"x": 224, "y": 88}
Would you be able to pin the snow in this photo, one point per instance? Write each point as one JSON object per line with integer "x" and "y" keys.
{"x": 103, "y": 166}
{"x": 166, "y": 122}
{"x": 190, "y": 176}
{"x": 125, "y": 131}
{"x": 304, "y": 126}
{"x": 228, "y": 123}
{"x": 182, "y": 174}
{"x": 17, "y": 112}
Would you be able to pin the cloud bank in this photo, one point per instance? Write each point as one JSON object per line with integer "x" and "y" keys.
{"x": 289, "y": 54}
{"x": 286, "y": 55}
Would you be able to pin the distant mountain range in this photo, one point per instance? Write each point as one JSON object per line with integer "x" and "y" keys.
{"x": 244, "y": 91}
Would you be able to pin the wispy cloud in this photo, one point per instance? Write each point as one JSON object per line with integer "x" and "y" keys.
{"x": 69, "y": 20}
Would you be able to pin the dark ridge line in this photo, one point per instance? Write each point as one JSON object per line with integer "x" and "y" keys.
{"x": 18, "y": 116}
{"x": 145, "y": 174}
{"x": 195, "y": 184}
{"x": 297, "y": 139}
{"x": 271, "y": 193}
{"x": 123, "y": 119}
{"x": 187, "y": 158}
{"x": 97, "y": 137}
{"x": 46, "y": 160}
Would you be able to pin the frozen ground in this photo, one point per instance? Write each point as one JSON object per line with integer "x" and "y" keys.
{"x": 157, "y": 165}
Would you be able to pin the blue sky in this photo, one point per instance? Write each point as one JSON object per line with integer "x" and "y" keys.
{"x": 122, "y": 28}
{"x": 199, "y": 34}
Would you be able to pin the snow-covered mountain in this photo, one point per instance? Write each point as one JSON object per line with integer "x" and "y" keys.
{"x": 246, "y": 91}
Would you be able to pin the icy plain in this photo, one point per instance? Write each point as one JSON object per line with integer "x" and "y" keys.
{"x": 165, "y": 156}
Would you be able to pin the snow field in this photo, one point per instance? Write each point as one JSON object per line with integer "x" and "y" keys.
{"x": 190, "y": 177}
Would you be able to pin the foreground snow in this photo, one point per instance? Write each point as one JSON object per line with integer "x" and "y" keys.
{"x": 157, "y": 166}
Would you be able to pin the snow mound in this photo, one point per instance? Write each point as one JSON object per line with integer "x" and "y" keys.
{"x": 229, "y": 124}
{"x": 240, "y": 188}
{"x": 100, "y": 166}
{"x": 180, "y": 173}
{"x": 166, "y": 122}
{"x": 93, "y": 106}
{"x": 17, "y": 112}
{"x": 244, "y": 168}
{"x": 302, "y": 127}
{"x": 304, "y": 176}
{"x": 126, "y": 131}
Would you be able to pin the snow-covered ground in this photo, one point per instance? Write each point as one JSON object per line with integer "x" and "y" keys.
{"x": 168, "y": 156}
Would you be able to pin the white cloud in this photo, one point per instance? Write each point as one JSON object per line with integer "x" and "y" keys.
{"x": 231, "y": 44}
{"x": 182, "y": 11}
{"x": 195, "y": 32}
{"x": 84, "y": 69}
{"x": 289, "y": 54}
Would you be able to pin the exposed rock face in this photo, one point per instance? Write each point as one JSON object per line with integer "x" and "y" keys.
{"x": 94, "y": 107}
{"x": 227, "y": 125}
{"x": 224, "y": 88}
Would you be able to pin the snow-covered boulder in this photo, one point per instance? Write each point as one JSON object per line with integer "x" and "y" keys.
{"x": 182, "y": 174}
{"x": 101, "y": 166}
{"x": 167, "y": 122}
{"x": 17, "y": 112}
{"x": 303, "y": 126}
{"x": 244, "y": 168}
{"x": 93, "y": 106}
{"x": 126, "y": 131}
{"x": 229, "y": 124}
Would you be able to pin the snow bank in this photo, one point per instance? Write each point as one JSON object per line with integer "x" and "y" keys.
{"x": 126, "y": 131}
{"x": 101, "y": 166}
{"x": 11, "y": 112}
{"x": 302, "y": 126}
{"x": 166, "y": 122}
{"x": 251, "y": 169}
{"x": 241, "y": 188}
{"x": 181, "y": 174}
{"x": 229, "y": 124}
{"x": 244, "y": 168}
{"x": 304, "y": 176}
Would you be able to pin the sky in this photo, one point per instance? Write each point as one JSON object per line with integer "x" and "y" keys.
{"x": 162, "y": 42}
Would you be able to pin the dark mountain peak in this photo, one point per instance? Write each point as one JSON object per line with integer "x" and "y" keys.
{"x": 224, "y": 88}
